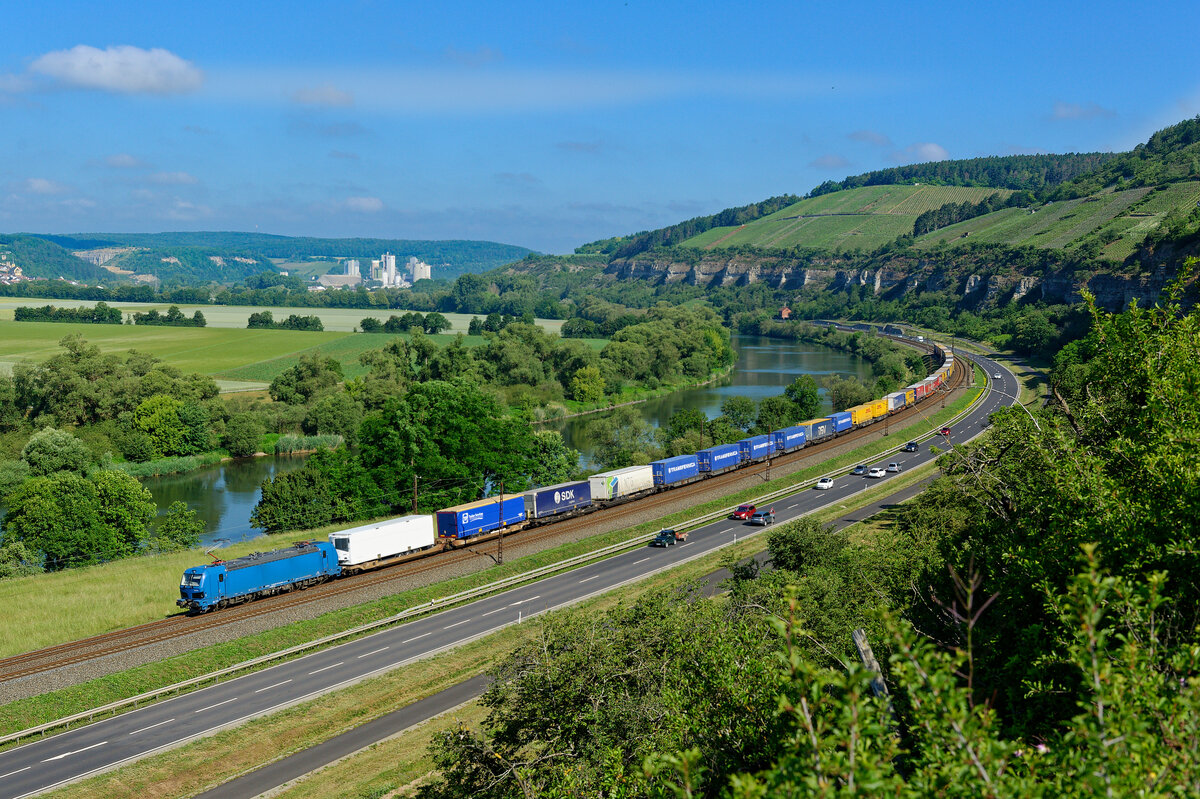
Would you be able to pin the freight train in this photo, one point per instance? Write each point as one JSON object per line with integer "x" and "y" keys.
{"x": 223, "y": 583}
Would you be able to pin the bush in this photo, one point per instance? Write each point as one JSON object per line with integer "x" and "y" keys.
{"x": 287, "y": 445}
{"x": 243, "y": 434}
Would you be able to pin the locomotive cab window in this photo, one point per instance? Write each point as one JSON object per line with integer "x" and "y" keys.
{"x": 192, "y": 580}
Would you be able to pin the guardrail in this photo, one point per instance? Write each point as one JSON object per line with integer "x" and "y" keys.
{"x": 416, "y": 610}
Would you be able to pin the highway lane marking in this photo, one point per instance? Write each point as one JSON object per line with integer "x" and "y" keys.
{"x": 18, "y": 771}
{"x": 269, "y": 687}
{"x": 643, "y": 560}
{"x": 77, "y": 751}
{"x": 497, "y": 610}
{"x": 681, "y": 546}
{"x": 464, "y": 621}
{"x": 152, "y": 726}
{"x": 372, "y": 652}
{"x": 422, "y": 635}
{"x": 325, "y": 668}
{"x": 539, "y": 596}
{"x": 218, "y": 704}
{"x": 584, "y": 580}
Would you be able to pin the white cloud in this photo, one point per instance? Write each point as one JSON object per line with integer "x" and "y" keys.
{"x": 123, "y": 69}
{"x": 366, "y": 205}
{"x": 173, "y": 178}
{"x": 326, "y": 94}
{"x": 829, "y": 161}
{"x": 123, "y": 161}
{"x": 870, "y": 137}
{"x": 1086, "y": 111}
{"x": 12, "y": 84}
{"x": 920, "y": 153}
{"x": 45, "y": 186}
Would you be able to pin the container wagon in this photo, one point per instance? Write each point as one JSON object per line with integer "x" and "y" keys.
{"x": 756, "y": 448}
{"x": 373, "y": 545}
{"x": 895, "y": 401}
{"x": 789, "y": 439}
{"x": 672, "y": 471}
{"x": 842, "y": 421}
{"x": 620, "y": 483}
{"x": 257, "y": 575}
{"x": 715, "y": 460}
{"x": 481, "y": 516}
{"x": 819, "y": 429}
{"x": 879, "y": 408}
{"x": 861, "y": 414}
{"x": 553, "y": 500}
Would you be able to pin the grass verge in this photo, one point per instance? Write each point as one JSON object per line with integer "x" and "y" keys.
{"x": 26, "y": 713}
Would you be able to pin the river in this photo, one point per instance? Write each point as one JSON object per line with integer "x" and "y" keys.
{"x": 224, "y": 495}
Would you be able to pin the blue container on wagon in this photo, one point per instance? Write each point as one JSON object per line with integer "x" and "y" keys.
{"x": 717, "y": 459}
{"x": 480, "y": 516}
{"x": 818, "y": 429}
{"x": 842, "y": 421}
{"x": 674, "y": 470}
{"x": 204, "y": 587}
{"x": 548, "y": 501}
{"x": 789, "y": 438}
{"x": 755, "y": 448}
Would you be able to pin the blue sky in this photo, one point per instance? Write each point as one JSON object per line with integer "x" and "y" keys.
{"x": 540, "y": 124}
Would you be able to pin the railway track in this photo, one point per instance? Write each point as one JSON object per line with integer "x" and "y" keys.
{"x": 628, "y": 513}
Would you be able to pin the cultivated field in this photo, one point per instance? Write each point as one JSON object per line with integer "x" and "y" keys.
{"x": 237, "y": 358}
{"x": 845, "y": 220}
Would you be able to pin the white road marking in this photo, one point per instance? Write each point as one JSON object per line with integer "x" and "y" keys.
{"x": 688, "y": 544}
{"x": 152, "y": 726}
{"x": 497, "y": 610}
{"x": 523, "y": 601}
{"x": 18, "y": 771}
{"x": 422, "y": 635}
{"x": 77, "y": 751}
{"x": 464, "y": 621}
{"x": 372, "y": 652}
{"x": 585, "y": 579}
{"x": 326, "y": 668}
{"x": 269, "y": 687}
{"x": 643, "y": 560}
{"x": 218, "y": 704}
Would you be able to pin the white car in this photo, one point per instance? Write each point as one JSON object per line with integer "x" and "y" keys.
{"x": 824, "y": 483}
{"x": 875, "y": 472}
{"x": 998, "y": 376}
{"x": 893, "y": 467}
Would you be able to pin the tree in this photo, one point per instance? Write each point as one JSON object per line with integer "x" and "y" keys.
{"x": 775, "y": 413}
{"x": 57, "y": 516}
{"x": 739, "y": 411}
{"x": 804, "y": 394}
{"x": 124, "y": 506}
{"x": 261, "y": 319}
{"x": 50, "y": 450}
{"x": 436, "y": 323}
{"x": 198, "y": 319}
{"x": 622, "y": 438}
{"x": 178, "y": 529}
{"x": 587, "y": 384}
{"x": 370, "y": 324}
{"x": 846, "y": 392}
{"x": 243, "y": 435}
{"x": 553, "y": 461}
{"x": 312, "y": 375}
{"x": 158, "y": 417}
{"x": 335, "y": 414}
{"x": 16, "y": 560}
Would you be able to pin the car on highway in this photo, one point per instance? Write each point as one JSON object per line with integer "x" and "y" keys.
{"x": 824, "y": 483}
{"x": 911, "y": 447}
{"x": 945, "y": 431}
{"x": 998, "y": 376}
{"x": 667, "y": 538}
{"x": 762, "y": 517}
{"x": 859, "y": 469}
{"x": 893, "y": 467}
{"x": 742, "y": 512}
{"x": 875, "y": 472}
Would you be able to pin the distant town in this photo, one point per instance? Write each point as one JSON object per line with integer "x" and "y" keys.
{"x": 382, "y": 270}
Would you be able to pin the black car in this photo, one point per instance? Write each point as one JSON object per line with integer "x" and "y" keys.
{"x": 911, "y": 447}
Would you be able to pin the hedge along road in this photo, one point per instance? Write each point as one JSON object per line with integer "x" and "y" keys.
{"x": 107, "y": 744}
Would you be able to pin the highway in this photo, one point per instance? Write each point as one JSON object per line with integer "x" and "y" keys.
{"x": 69, "y": 756}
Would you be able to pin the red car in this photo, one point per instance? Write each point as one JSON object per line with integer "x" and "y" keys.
{"x": 743, "y": 512}
{"x": 945, "y": 431}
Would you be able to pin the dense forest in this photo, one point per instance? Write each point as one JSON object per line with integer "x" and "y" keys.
{"x": 1033, "y": 614}
{"x": 1032, "y": 173}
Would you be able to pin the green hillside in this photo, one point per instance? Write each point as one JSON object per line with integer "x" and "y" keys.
{"x": 863, "y": 218}
{"x": 40, "y": 258}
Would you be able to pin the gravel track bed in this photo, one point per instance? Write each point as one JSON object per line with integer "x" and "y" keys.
{"x": 77, "y": 673}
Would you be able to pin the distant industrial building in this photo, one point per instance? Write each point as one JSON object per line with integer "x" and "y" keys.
{"x": 418, "y": 269}
{"x": 351, "y": 268}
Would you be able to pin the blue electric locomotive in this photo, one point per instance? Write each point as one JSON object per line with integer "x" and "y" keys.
{"x": 257, "y": 575}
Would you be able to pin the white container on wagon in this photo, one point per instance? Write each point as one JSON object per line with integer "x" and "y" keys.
{"x": 375, "y": 544}
{"x": 621, "y": 482}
